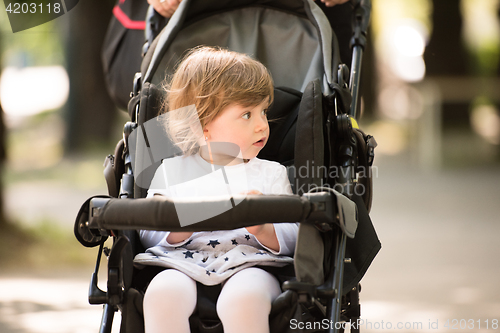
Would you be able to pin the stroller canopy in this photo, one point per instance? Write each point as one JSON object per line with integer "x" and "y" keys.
{"x": 292, "y": 38}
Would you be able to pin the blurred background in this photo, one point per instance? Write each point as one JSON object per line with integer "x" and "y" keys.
{"x": 430, "y": 97}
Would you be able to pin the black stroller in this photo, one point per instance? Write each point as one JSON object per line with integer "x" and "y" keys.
{"x": 328, "y": 160}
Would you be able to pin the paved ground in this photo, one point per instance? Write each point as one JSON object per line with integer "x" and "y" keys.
{"x": 439, "y": 262}
{"x": 440, "y": 252}
{"x": 48, "y": 305}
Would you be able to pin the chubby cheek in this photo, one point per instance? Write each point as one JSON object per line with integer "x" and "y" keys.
{"x": 244, "y": 144}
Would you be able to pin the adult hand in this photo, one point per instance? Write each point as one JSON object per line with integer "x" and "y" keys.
{"x": 331, "y": 3}
{"x": 165, "y": 8}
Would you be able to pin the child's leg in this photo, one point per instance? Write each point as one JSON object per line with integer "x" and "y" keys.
{"x": 169, "y": 301}
{"x": 245, "y": 301}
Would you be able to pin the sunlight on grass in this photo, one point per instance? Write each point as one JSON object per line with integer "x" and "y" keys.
{"x": 43, "y": 245}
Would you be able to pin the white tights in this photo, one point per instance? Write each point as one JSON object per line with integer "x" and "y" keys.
{"x": 243, "y": 305}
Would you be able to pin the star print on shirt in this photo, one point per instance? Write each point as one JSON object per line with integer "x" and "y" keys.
{"x": 226, "y": 259}
{"x": 188, "y": 254}
{"x": 213, "y": 243}
{"x": 247, "y": 237}
{"x": 234, "y": 242}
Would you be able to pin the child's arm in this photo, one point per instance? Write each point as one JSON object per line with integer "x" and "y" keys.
{"x": 159, "y": 187}
{"x": 266, "y": 235}
{"x": 177, "y": 237}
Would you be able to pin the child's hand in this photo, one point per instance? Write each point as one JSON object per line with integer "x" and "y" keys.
{"x": 264, "y": 232}
{"x": 252, "y": 192}
{"x": 256, "y": 229}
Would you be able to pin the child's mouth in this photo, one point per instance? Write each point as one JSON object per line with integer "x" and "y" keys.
{"x": 260, "y": 143}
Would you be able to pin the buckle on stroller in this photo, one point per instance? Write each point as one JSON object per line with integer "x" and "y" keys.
{"x": 307, "y": 292}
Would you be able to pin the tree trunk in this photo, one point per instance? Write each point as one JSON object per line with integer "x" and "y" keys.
{"x": 90, "y": 113}
{"x": 3, "y": 219}
{"x": 3, "y": 154}
{"x": 446, "y": 54}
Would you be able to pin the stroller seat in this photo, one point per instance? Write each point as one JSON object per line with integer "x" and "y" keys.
{"x": 310, "y": 130}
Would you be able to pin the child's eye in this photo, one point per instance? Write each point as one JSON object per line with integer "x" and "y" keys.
{"x": 246, "y": 115}
{"x": 264, "y": 112}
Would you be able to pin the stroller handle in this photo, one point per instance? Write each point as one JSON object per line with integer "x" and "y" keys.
{"x": 160, "y": 212}
{"x": 361, "y": 17}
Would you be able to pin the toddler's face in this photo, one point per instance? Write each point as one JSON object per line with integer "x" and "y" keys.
{"x": 246, "y": 127}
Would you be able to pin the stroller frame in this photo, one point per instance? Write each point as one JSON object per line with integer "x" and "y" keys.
{"x": 98, "y": 220}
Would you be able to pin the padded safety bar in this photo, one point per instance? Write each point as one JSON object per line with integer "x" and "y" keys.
{"x": 160, "y": 213}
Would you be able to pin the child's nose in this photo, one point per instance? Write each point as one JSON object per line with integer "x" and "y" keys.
{"x": 261, "y": 124}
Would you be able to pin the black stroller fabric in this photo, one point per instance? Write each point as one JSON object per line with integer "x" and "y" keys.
{"x": 122, "y": 50}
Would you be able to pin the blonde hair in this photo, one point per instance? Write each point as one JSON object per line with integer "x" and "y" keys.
{"x": 206, "y": 81}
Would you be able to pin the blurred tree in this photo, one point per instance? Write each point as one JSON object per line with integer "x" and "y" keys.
{"x": 446, "y": 54}
{"x": 3, "y": 220}
{"x": 498, "y": 67}
{"x": 90, "y": 113}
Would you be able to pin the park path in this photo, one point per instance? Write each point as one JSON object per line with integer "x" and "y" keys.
{"x": 439, "y": 260}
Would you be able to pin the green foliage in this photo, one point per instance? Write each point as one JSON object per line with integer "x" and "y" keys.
{"x": 38, "y": 46}
{"x": 486, "y": 59}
